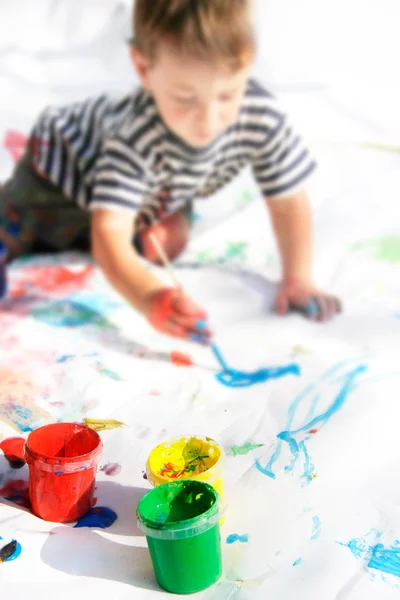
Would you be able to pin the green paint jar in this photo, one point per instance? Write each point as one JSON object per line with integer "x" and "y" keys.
{"x": 181, "y": 523}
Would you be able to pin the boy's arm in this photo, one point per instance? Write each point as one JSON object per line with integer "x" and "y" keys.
{"x": 168, "y": 310}
{"x": 292, "y": 224}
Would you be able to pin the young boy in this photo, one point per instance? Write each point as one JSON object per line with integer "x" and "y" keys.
{"x": 129, "y": 168}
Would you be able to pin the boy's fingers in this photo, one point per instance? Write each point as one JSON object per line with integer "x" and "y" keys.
{"x": 282, "y": 304}
{"x": 185, "y": 306}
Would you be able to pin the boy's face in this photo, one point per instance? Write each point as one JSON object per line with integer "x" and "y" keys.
{"x": 196, "y": 100}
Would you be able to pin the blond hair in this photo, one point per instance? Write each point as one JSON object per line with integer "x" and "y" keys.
{"x": 206, "y": 29}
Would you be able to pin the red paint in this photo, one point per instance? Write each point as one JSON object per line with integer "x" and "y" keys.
{"x": 16, "y": 491}
{"x": 62, "y": 460}
{"x": 181, "y": 360}
{"x": 111, "y": 469}
{"x": 51, "y": 278}
{"x": 169, "y": 470}
{"x": 155, "y": 393}
{"x": 13, "y": 449}
{"x": 15, "y": 142}
{"x": 313, "y": 431}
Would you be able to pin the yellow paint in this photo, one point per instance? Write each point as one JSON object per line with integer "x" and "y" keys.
{"x": 198, "y": 458}
{"x": 103, "y": 424}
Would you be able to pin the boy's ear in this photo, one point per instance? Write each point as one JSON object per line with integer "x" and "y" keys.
{"x": 141, "y": 66}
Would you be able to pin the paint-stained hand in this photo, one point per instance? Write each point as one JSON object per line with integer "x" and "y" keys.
{"x": 173, "y": 313}
{"x": 303, "y": 296}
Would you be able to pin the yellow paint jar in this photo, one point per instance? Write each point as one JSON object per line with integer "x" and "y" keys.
{"x": 194, "y": 457}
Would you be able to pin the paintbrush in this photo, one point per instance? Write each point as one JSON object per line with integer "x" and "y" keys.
{"x": 7, "y": 551}
{"x": 174, "y": 279}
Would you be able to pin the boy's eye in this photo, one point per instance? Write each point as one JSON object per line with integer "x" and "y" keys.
{"x": 182, "y": 100}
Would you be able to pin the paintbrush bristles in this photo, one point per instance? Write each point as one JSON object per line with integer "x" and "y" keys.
{"x": 164, "y": 259}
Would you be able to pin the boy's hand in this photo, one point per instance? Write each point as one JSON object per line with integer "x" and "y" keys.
{"x": 173, "y": 313}
{"x": 303, "y": 296}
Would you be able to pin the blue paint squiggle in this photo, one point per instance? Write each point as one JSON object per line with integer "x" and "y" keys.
{"x": 288, "y": 436}
{"x": 240, "y": 379}
{"x": 231, "y": 539}
{"x": 297, "y": 562}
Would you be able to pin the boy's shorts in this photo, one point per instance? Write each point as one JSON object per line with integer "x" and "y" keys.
{"x": 42, "y": 217}
{"x": 41, "y": 214}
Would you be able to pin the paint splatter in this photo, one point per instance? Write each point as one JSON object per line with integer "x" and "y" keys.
{"x": 316, "y": 530}
{"x": 103, "y": 424}
{"x": 244, "y": 449}
{"x": 69, "y": 313}
{"x": 234, "y": 537}
{"x": 13, "y": 449}
{"x": 101, "y": 517}
{"x": 69, "y": 357}
{"x": 16, "y": 491}
{"x": 297, "y": 562}
{"x": 111, "y": 469}
{"x": 385, "y": 249}
{"x": 181, "y": 360}
{"x": 10, "y": 551}
{"x": 107, "y": 372}
{"x": 17, "y": 395}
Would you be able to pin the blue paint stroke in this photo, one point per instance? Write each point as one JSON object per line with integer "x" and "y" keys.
{"x": 67, "y": 357}
{"x": 377, "y": 556}
{"x": 234, "y": 537}
{"x": 316, "y": 531}
{"x": 297, "y": 562}
{"x": 309, "y": 468}
{"x": 68, "y": 313}
{"x": 288, "y": 436}
{"x": 17, "y": 552}
{"x": 100, "y": 516}
{"x": 241, "y": 379}
{"x": 386, "y": 560}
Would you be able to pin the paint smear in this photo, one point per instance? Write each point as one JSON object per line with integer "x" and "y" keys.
{"x": 181, "y": 360}
{"x": 54, "y": 278}
{"x": 316, "y": 530}
{"x": 103, "y": 424}
{"x": 100, "y": 516}
{"x": 69, "y": 357}
{"x": 111, "y": 469}
{"x": 376, "y": 556}
{"x": 385, "y": 249}
{"x": 185, "y": 456}
{"x": 17, "y": 407}
{"x": 244, "y": 449}
{"x": 297, "y": 562}
{"x": 5, "y": 555}
{"x": 107, "y": 372}
{"x": 70, "y": 313}
{"x": 234, "y": 537}
{"x": 16, "y": 491}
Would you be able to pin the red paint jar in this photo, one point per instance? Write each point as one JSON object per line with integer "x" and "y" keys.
{"x": 62, "y": 460}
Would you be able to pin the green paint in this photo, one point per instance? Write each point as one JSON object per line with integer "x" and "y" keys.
{"x": 236, "y": 250}
{"x": 245, "y": 449}
{"x": 107, "y": 372}
{"x": 244, "y": 199}
{"x": 386, "y": 249}
{"x": 181, "y": 523}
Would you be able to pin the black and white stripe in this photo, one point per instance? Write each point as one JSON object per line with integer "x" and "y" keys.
{"x": 119, "y": 155}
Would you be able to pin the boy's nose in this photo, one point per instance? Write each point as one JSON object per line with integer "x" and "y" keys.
{"x": 207, "y": 119}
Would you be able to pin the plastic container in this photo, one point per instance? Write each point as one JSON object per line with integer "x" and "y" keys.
{"x": 62, "y": 460}
{"x": 196, "y": 458}
{"x": 181, "y": 523}
{"x": 3, "y": 269}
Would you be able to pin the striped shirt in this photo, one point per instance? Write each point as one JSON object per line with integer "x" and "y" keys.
{"x": 119, "y": 154}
